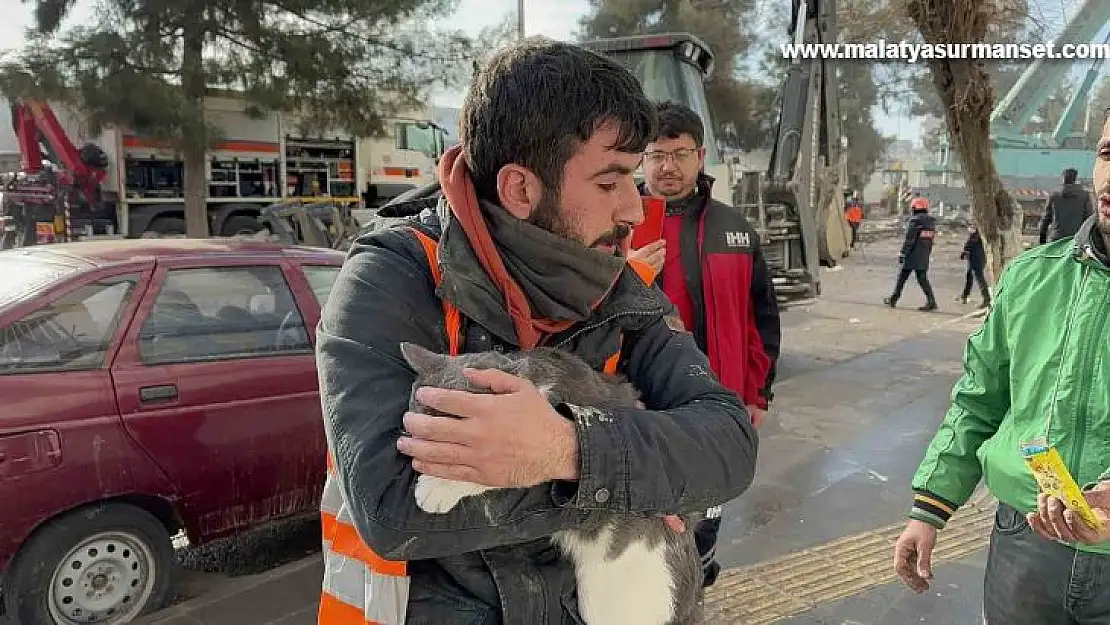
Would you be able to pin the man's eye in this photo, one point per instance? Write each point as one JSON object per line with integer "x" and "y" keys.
{"x": 608, "y": 186}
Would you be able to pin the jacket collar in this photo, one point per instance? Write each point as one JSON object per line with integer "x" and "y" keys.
{"x": 1089, "y": 243}
{"x": 467, "y": 287}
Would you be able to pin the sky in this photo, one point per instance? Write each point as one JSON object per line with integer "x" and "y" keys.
{"x": 557, "y": 19}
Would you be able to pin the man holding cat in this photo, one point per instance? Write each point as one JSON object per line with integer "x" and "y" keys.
{"x": 703, "y": 237}
{"x": 526, "y": 233}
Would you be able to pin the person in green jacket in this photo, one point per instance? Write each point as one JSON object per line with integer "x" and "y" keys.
{"x": 1037, "y": 368}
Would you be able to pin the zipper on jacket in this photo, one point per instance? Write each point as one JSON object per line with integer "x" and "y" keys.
{"x": 604, "y": 322}
{"x": 1085, "y": 391}
{"x": 1073, "y": 305}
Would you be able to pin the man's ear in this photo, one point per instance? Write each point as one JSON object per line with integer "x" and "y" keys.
{"x": 519, "y": 190}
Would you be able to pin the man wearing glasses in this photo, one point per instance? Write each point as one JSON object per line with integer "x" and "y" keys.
{"x": 711, "y": 267}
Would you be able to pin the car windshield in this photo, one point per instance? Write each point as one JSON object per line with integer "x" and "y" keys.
{"x": 22, "y": 275}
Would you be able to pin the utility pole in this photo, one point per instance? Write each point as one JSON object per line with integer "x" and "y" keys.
{"x": 520, "y": 19}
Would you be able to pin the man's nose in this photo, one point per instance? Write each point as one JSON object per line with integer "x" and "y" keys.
{"x": 630, "y": 208}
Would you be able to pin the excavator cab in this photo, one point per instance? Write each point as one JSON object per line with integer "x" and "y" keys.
{"x": 673, "y": 67}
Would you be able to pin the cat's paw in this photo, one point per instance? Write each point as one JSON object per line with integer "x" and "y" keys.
{"x": 438, "y": 496}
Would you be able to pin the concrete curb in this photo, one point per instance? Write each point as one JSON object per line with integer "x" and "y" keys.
{"x": 224, "y": 591}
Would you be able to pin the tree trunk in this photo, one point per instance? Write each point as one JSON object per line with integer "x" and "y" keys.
{"x": 194, "y": 142}
{"x": 968, "y": 98}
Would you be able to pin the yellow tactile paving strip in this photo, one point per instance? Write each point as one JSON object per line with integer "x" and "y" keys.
{"x": 800, "y": 581}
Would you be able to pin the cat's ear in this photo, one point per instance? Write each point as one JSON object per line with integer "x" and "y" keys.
{"x": 421, "y": 359}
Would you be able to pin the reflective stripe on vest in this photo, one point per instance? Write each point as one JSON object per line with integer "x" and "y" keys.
{"x": 359, "y": 586}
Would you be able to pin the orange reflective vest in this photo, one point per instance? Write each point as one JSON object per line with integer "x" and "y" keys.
{"x": 854, "y": 214}
{"x": 359, "y": 586}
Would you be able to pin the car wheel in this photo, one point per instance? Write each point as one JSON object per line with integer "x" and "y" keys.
{"x": 167, "y": 226}
{"x": 105, "y": 564}
{"x": 240, "y": 224}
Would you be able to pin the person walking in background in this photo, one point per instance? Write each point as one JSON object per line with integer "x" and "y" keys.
{"x": 853, "y": 213}
{"x": 1066, "y": 210}
{"x": 976, "y": 256}
{"x": 921, "y": 229}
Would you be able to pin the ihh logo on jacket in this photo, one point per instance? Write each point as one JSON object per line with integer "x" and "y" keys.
{"x": 737, "y": 239}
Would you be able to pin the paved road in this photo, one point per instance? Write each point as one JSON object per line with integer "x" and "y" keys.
{"x": 832, "y": 489}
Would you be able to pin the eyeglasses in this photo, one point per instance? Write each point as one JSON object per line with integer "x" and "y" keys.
{"x": 680, "y": 156}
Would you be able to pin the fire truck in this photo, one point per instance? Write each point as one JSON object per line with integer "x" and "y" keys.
{"x": 122, "y": 183}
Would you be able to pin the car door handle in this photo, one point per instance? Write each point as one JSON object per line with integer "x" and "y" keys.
{"x": 158, "y": 393}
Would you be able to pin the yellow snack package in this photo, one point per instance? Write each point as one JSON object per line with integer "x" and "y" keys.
{"x": 1054, "y": 479}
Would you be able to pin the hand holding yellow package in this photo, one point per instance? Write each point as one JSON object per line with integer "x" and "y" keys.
{"x": 1055, "y": 480}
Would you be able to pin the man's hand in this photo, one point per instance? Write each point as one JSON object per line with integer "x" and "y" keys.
{"x": 511, "y": 438}
{"x": 653, "y": 254}
{"x": 913, "y": 554}
{"x": 1055, "y": 521}
{"x": 758, "y": 414}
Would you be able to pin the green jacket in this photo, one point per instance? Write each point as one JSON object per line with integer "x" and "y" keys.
{"x": 1038, "y": 366}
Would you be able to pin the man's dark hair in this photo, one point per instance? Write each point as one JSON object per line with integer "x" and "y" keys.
{"x": 1070, "y": 175}
{"x": 676, "y": 120}
{"x": 535, "y": 101}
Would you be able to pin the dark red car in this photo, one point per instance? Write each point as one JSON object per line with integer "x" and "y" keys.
{"x": 149, "y": 386}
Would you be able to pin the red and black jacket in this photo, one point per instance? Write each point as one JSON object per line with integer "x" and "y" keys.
{"x": 724, "y": 293}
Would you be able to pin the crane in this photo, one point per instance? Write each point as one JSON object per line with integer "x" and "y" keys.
{"x": 54, "y": 176}
{"x": 1021, "y": 154}
{"x": 807, "y": 170}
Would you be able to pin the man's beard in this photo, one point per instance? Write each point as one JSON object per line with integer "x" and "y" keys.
{"x": 548, "y": 216}
{"x": 1102, "y": 223}
{"x": 683, "y": 191}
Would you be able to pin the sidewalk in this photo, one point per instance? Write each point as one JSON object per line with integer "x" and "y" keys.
{"x": 287, "y": 595}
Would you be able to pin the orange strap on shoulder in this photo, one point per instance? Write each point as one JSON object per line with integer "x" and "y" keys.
{"x": 451, "y": 316}
{"x": 647, "y": 273}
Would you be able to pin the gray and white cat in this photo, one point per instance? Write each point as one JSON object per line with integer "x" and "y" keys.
{"x": 630, "y": 570}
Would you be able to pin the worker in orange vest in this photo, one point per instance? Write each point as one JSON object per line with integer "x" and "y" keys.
{"x": 853, "y": 213}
